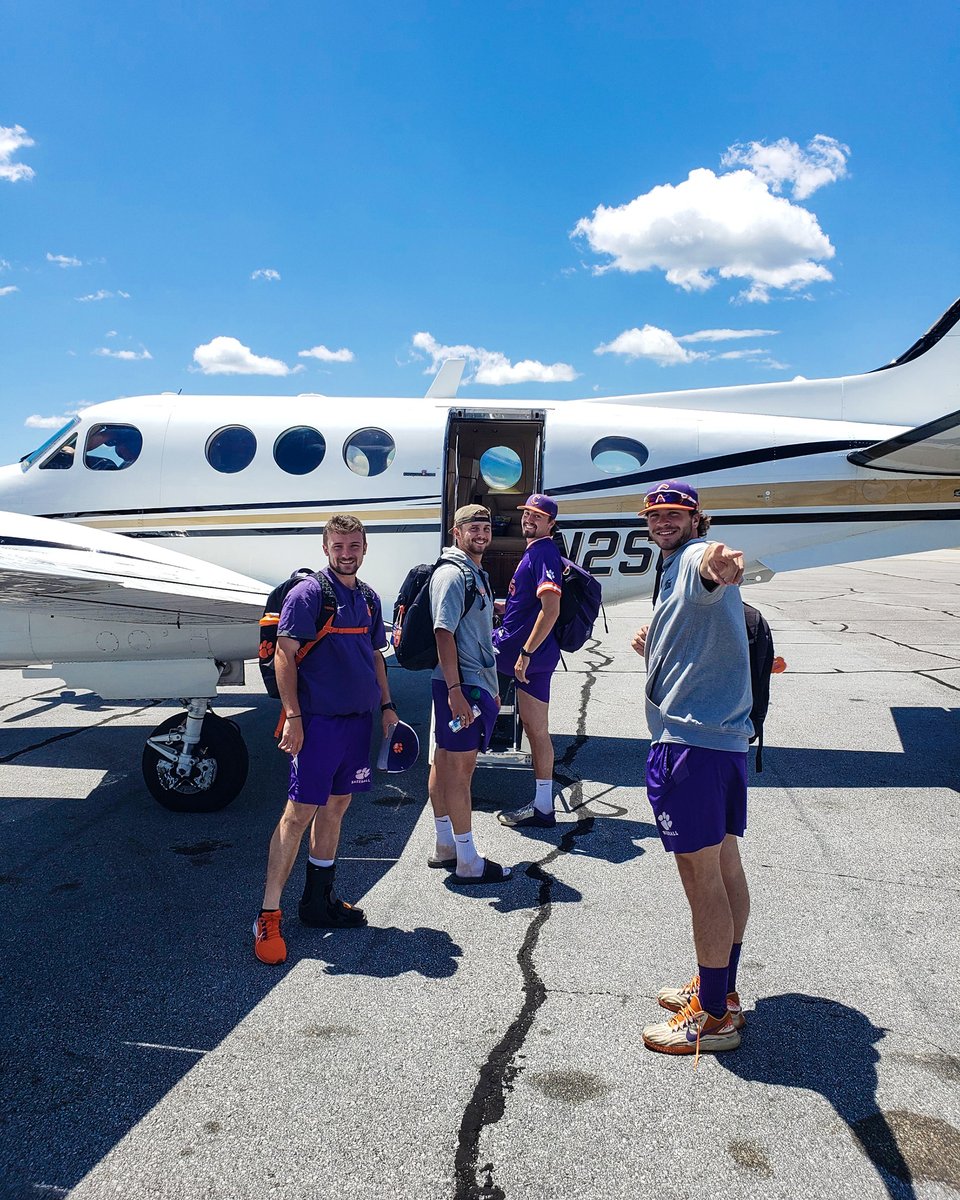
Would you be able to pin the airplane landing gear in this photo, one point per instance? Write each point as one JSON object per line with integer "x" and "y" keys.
{"x": 195, "y": 761}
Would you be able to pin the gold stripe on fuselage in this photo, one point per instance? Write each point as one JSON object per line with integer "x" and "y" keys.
{"x": 255, "y": 519}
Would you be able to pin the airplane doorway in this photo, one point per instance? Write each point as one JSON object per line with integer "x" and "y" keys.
{"x": 493, "y": 457}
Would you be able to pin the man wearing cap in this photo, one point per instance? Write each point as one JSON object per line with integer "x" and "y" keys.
{"x": 698, "y": 701}
{"x": 527, "y": 649}
{"x": 465, "y": 692}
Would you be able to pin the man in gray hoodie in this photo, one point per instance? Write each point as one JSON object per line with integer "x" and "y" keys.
{"x": 465, "y": 694}
{"x": 698, "y": 701}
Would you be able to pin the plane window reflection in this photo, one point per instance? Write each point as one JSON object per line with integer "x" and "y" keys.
{"x": 62, "y": 460}
{"x": 618, "y": 455}
{"x": 369, "y": 451}
{"x": 112, "y": 447}
{"x": 501, "y": 468}
{"x": 230, "y": 450}
{"x": 300, "y": 450}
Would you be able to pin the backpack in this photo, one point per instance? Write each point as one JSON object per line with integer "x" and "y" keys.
{"x": 760, "y": 643}
{"x": 414, "y": 640}
{"x": 581, "y": 600}
{"x": 270, "y": 622}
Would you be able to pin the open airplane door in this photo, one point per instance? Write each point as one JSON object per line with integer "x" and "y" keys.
{"x": 495, "y": 457}
{"x": 931, "y": 449}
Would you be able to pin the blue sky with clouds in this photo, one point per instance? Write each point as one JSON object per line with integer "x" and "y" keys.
{"x": 585, "y": 199}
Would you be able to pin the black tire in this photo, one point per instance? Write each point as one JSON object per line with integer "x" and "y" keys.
{"x": 220, "y": 774}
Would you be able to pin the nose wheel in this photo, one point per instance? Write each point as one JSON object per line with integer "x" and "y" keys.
{"x": 195, "y": 761}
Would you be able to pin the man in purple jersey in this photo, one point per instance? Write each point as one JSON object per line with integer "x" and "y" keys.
{"x": 329, "y": 697}
{"x": 527, "y": 649}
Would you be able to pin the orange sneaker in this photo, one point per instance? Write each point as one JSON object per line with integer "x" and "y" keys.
{"x": 676, "y": 998}
{"x": 268, "y": 943}
{"x": 692, "y": 1031}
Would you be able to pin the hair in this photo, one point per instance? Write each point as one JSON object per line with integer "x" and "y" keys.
{"x": 703, "y": 524}
{"x": 343, "y": 523}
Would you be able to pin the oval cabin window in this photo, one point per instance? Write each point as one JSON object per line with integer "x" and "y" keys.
{"x": 231, "y": 450}
{"x": 369, "y": 451}
{"x": 501, "y": 468}
{"x": 300, "y": 450}
{"x": 617, "y": 455}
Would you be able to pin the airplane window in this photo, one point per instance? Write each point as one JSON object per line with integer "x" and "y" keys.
{"x": 62, "y": 459}
{"x": 230, "y": 450}
{"x": 40, "y": 451}
{"x": 369, "y": 451}
{"x": 501, "y": 468}
{"x": 618, "y": 455}
{"x": 300, "y": 450}
{"x": 112, "y": 447}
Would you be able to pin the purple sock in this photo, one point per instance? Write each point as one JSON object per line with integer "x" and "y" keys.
{"x": 713, "y": 990}
{"x": 732, "y": 969}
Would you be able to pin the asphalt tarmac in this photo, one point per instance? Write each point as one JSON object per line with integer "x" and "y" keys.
{"x": 485, "y": 1043}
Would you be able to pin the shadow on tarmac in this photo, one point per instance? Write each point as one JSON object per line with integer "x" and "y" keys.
{"x": 823, "y": 1046}
{"x": 127, "y": 938}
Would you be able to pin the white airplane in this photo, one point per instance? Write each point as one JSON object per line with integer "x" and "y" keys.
{"x": 797, "y": 474}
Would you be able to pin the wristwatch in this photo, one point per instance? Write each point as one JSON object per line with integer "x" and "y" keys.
{"x": 389, "y": 704}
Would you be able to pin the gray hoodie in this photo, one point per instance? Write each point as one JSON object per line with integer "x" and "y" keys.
{"x": 473, "y": 631}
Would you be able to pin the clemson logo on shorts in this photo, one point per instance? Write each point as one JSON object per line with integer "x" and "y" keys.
{"x": 362, "y": 775}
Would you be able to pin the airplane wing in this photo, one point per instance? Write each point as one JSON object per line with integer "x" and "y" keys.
{"x": 931, "y": 449}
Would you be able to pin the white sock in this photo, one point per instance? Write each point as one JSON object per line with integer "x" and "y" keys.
{"x": 444, "y": 831}
{"x": 469, "y": 861}
{"x": 320, "y": 862}
{"x": 543, "y": 801}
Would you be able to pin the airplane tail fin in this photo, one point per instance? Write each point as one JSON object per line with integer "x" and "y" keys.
{"x": 447, "y": 380}
{"x": 931, "y": 449}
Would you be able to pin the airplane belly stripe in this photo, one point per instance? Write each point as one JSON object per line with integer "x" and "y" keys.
{"x": 260, "y": 505}
{"x": 317, "y": 519}
{"x": 273, "y": 531}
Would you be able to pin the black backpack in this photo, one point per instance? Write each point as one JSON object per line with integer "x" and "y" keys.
{"x": 270, "y": 622}
{"x": 581, "y": 601}
{"x": 760, "y": 643}
{"x": 414, "y": 640}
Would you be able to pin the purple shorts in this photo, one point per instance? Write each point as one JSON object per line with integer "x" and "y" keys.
{"x": 478, "y": 733}
{"x": 334, "y": 759}
{"x": 537, "y": 686}
{"x": 698, "y": 795}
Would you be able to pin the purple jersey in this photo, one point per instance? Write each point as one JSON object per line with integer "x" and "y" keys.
{"x": 337, "y": 678}
{"x": 540, "y": 571}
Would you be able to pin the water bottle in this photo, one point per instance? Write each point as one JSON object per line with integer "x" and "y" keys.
{"x": 456, "y": 724}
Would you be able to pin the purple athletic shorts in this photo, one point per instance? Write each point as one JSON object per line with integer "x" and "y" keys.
{"x": 334, "y": 759}
{"x": 478, "y": 733}
{"x": 537, "y": 686}
{"x": 698, "y": 795}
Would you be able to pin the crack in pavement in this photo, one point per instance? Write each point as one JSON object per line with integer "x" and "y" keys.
{"x": 60, "y": 737}
{"x": 488, "y": 1102}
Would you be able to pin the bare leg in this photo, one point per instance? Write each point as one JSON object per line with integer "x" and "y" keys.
{"x": 735, "y": 884}
{"x": 325, "y": 831}
{"x": 284, "y": 846}
{"x": 535, "y": 717}
{"x": 703, "y": 883}
{"x": 450, "y": 780}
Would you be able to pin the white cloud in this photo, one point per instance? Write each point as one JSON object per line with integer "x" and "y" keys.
{"x": 731, "y": 226}
{"x": 36, "y": 421}
{"x": 650, "y": 342}
{"x": 102, "y": 294}
{"x": 12, "y": 139}
{"x": 9, "y": 290}
{"x": 63, "y": 260}
{"x": 4, "y": 265}
{"x": 344, "y": 355}
{"x": 490, "y": 367}
{"x": 110, "y": 333}
{"x": 724, "y": 335}
{"x": 125, "y": 355}
{"x": 227, "y": 356}
{"x": 784, "y": 163}
{"x": 267, "y": 273}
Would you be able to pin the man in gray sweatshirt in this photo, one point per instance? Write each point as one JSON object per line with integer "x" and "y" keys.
{"x": 698, "y": 701}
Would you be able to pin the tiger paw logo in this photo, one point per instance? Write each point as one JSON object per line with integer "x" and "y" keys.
{"x": 666, "y": 824}
{"x": 362, "y": 776}
{"x": 266, "y": 649}
{"x": 397, "y": 747}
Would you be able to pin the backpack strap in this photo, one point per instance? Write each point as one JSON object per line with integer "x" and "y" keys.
{"x": 470, "y": 591}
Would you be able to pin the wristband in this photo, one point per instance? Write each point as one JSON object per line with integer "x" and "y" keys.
{"x": 294, "y": 717}
{"x": 454, "y": 685}
{"x": 525, "y": 653}
{"x": 389, "y": 704}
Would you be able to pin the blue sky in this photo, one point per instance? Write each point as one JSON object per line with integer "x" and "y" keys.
{"x": 592, "y": 199}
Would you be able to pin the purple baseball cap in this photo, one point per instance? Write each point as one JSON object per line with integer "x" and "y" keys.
{"x": 399, "y": 750}
{"x": 540, "y": 503}
{"x": 675, "y": 493}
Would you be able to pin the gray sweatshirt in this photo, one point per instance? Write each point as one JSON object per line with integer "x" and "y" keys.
{"x": 698, "y": 689}
{"x": 473, "y": 631}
